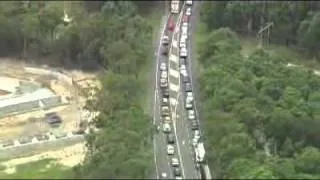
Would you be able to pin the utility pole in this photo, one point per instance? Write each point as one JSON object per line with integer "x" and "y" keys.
{"x": 262, "y": 31}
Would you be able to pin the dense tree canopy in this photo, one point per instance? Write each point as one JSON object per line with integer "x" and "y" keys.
{"x": 115, "y": 36}
{"x": 295, "y": 22}
{"x": 261, "y": 117}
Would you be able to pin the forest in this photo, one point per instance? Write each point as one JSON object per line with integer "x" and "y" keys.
{"x": 260, "y": 116}
{"x": 295, "y": 23}
{"x": 112, "y": 35}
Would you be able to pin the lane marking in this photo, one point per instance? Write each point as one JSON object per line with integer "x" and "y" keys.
{"x": 174, "y": 58}
{"x": 174, "y": 43}
{"x": 174, "y": 73}
{"x": 174, "y": 87}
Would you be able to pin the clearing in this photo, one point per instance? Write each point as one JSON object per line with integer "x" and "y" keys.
{"x": 54, "y": 164}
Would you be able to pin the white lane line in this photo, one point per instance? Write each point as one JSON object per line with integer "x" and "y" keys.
{"x": 174, "y": 87}
{"x": 174, "y": 73}
{"x": 174, "y": 43}
{"x": 174, "y": 58}
{"x": 156, "y": 93}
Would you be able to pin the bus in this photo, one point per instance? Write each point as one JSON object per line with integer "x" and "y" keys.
{"x": 175, "y": 6}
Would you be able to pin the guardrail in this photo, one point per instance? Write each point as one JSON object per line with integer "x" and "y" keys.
{"x": 40, "y": 138}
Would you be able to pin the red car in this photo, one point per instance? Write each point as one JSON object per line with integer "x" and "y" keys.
{"x": 170, "y": 24}
{"x": 185, "y": 18}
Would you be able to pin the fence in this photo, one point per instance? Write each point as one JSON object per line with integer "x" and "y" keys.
{"x": 17, "y": 151}
{"x": 30, "y": 106}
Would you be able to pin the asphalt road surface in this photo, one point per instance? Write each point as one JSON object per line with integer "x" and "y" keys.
{"x": 160, "y": 153}
{"x": 162, "y": 160}
{"x": 182, "y": 131}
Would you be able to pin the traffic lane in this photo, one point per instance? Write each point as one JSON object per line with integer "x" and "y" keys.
{"x": 185, "y": 136}
{"x": 158, "y": 158}
{"x": 163, "y": 161}
{"x": 192, "y": 58}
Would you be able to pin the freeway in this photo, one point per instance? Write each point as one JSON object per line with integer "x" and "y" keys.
{"x": 183, "y": 134}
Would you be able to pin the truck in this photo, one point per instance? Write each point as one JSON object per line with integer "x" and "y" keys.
{"x": 200, "y": 152}
{"x": 175, "y": 6}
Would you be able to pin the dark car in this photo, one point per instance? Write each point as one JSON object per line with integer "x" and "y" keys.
{"x": 182, "y": 61}
{"x": 165, "y": 101}
{"x": 177, "y": 171}
{"x": 165, "y": 92}
{"x": 185, "y": 79}
{"x": 170, "y": 138}
{"x": 53, "y": 118}
{"x": 165, "y": 50}
{"x": 188, "y": 87}
{"x": 194, "y": 125}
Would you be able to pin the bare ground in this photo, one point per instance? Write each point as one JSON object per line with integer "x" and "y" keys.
{"x": 32, "y": 123}
{"x": 67, "y": 156}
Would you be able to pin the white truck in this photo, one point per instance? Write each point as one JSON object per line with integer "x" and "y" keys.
{"x": 200, "y": 152}
{"x": 188, "y": 2}
{"x": 175, "y": 6}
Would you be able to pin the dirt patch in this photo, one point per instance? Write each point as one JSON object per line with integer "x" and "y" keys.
{"x": 10, "y": 170}
{"x": 3, "y": 92}
{"x": 67, "y": 156}
{"x": 33, "y": 123}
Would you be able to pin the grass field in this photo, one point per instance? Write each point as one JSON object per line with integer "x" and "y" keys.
{"x": 295, "y": 57}
{"x": 249, "y": 44}
{"x": 42, "y": 169}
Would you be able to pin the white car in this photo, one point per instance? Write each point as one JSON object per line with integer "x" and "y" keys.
{"x": 163, "y": 66}
{"x": 184, "y": 36}
{"x": 183, "y": 52}
{"x": 197, "y": 134}
{"x": 165, "y": 110}
{"x": 170, "y": 149}
{"x": 183, "y": 70}
{"x": 194, "y": 142}
{"x": 166, "y": 119}
{"x": 165, "y": 101}
{"x": 190, "y": 95}
{"x": 166, "y": 128}
{"x": 165, "y": 40}
{"x": 175, "y": 162}
{"x": 191, "y": 115}
{"x": 184, "y": 33}
{"x": 185, "y": 24}
{"x": 182, "y": 43}
{"x": 188, "y": 104}
{"x": 188, "y": 11}
{"x": 164, "y": 74}
{"x": 178, "y": 177}
{"x": 163, "y": 83}
{"x": 189, "y": 2}
{"x": 184, "y": 29}
{"x": 164, "y": 175}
